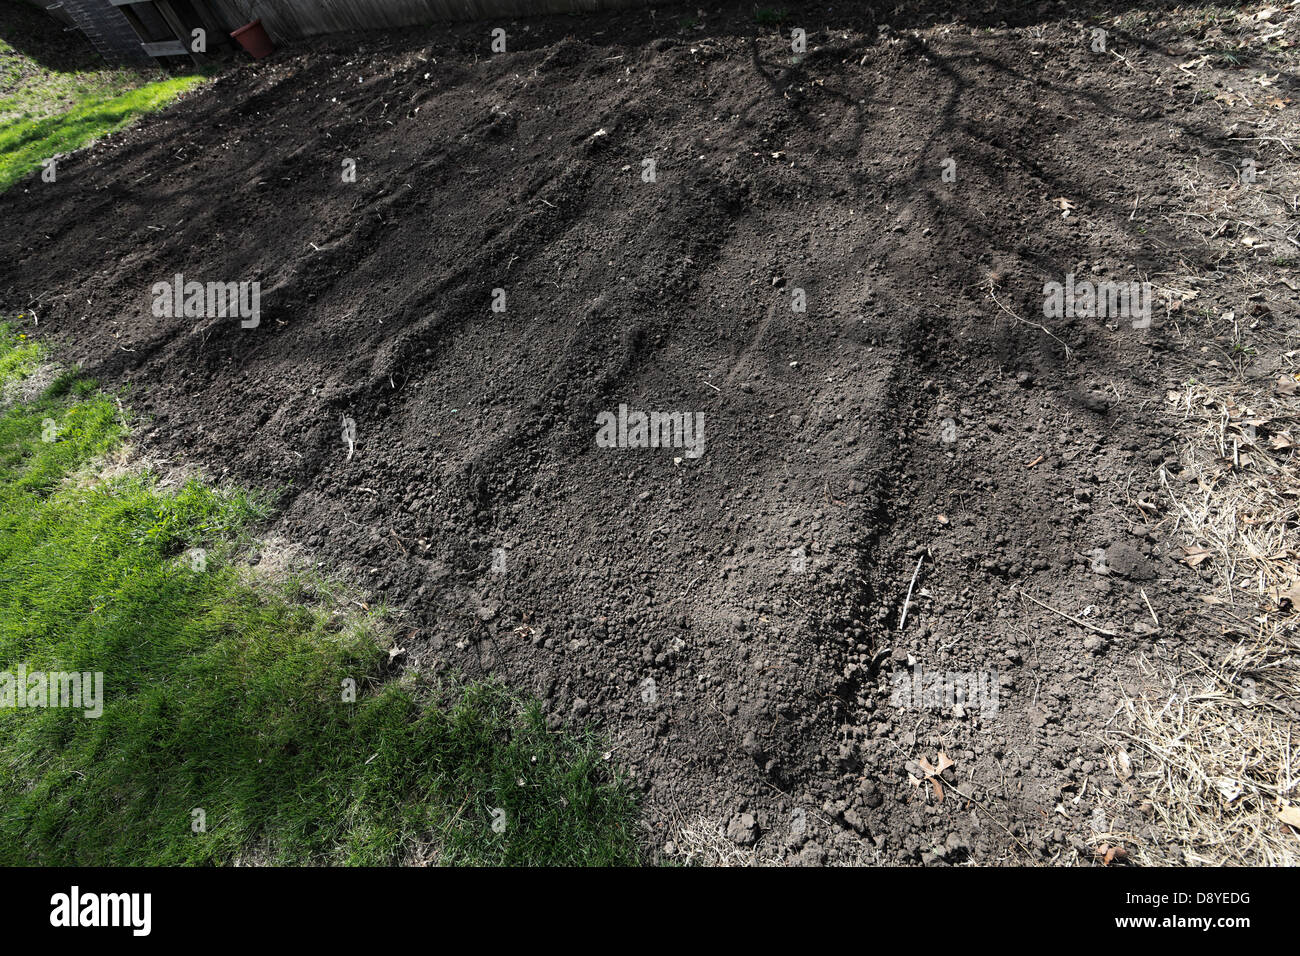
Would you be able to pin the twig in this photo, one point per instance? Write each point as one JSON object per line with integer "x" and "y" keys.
{"x": 1032, "y": 325}
{"x": 1091, "y": 627}
{"x": 993, "y": 817}
{"x": 1150, "y": 608}
{"x": 907, "y": 603}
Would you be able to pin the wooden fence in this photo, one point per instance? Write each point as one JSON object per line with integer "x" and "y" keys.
{"x": 286, "y": 19}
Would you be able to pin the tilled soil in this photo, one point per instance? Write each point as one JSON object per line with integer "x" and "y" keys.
{"x": 920, "y": 409}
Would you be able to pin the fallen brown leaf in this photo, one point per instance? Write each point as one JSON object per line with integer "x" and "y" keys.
{"x": 1290, "y": 592}
{"x": 932, "y": 772}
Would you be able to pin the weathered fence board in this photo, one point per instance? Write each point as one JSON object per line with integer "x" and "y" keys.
{"x": 285, "y": 19}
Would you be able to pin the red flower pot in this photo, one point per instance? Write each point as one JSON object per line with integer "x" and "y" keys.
{"x": 254, "y": 39}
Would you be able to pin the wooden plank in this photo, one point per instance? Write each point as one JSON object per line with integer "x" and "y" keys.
{"x": 164, "y": 7}
{"x": 291, "y": 19}
{"x": 166, "y": 48}
{"x": 137, "y": 24}
{"x": 216, "y": 33}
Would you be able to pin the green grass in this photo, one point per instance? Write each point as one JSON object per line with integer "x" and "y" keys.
{"x": 58, "y": 74}
{"x": 770, "y": 16}
{"x": 26, "y": 142}
{"x": 56, "y": 94}
{"x": 223, "y": 690}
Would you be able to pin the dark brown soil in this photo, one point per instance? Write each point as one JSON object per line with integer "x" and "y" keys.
{"x": 824, "y": 429}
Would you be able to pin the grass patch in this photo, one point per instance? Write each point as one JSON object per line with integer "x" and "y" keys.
{"x": 44, "y": 70}
{"x": 56, "y": 94}
{"x": 1211, "y": 744}
{"x": 770, "y": 16}
{"x": 25, "y": 143}
{"x": 225, "y": 694}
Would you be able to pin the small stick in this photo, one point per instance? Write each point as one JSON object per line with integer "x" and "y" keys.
{"x": 907, "y": 603}
{"x": 1091, "y": 627}
{"x": 1150, "y": 608}
{"x": 1032, "y": 325}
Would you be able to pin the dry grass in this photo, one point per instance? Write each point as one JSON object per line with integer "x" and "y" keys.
{"x": 698, "y": 841}
{"x": 1210, "y": 747}
{"x": 1208, "y": 751}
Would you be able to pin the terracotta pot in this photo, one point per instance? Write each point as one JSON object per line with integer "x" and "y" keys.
{"x": 254, "y": 39}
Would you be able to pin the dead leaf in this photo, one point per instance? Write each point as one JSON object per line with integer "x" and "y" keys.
{"x": 395, "y": 652}
{"x": 1112, "y": 854}
{"x": 1123, "y": 764}
{"x": 932, "y": 772}
{"x": 1290, "y": 816}
{"x": 1291, "y": 592}
{"x": 1196, "y": 555}
{"x": 1063, "y": 204}
{"x": 1285, "y": 385}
